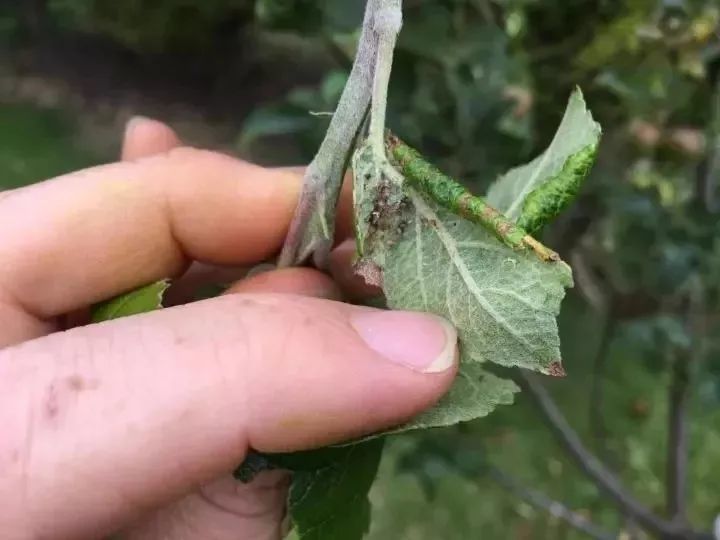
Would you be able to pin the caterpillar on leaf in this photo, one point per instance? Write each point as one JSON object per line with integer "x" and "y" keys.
{"x": 549, "y": 200}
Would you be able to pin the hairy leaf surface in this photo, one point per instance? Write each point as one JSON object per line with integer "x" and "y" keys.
{"x": 502, "y": 301}
{"x": 562, "y": 167}
{"x": 475, "y": 393}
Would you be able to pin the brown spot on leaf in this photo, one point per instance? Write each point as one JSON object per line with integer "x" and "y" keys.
{"x": 370, "y": 272}
{"x": 556, "y": 370}
{"x": 429, "y": 222}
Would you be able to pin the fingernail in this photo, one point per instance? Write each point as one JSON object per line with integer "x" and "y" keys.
{"x": 420, "y": 341}
{"x": 134, "y": 122}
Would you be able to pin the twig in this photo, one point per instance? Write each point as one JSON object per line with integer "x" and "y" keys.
{"x": 587, "y": 283}
{"x": 677, "y": 441}
{"x": 312, "y": 229}
{"x": 554, "y": 508}
{"x": 388, "y": 22}
{"x": 603, "y": 478}
{"x": 598, "y": 429}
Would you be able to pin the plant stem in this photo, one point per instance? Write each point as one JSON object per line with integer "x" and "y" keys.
{"x": 450, "y": 194}
{"x": 604, "y": 479}
{"x": 554, "y": 508}
{"x": 388, "y": 22}
{"x": 598, "y": 429}
{"x": 677, "y": 442}
{"x": 312, "y": 229}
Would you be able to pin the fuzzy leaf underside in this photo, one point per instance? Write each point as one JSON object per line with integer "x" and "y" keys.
{"x": 142, "y": 300}
{"x": 331, "y": 503}
{"x": 475, "y": 394}
{"x": 572, "y": 150}
{"x": 503, "y": 302}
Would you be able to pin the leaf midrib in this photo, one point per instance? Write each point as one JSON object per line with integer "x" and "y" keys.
{"x": 451, "y": 248}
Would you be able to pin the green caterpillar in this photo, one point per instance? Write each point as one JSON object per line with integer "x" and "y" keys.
{"x": 546, "y": 202}
{"x": 450, "y": 194}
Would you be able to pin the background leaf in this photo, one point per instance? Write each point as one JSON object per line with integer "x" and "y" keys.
{"x": 331, "y": 503}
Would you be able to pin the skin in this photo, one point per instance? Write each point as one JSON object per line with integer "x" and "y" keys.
{"x": 132, "y": 427}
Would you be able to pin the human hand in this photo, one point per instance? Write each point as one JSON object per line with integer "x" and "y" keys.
{"x": 135, "y": 425}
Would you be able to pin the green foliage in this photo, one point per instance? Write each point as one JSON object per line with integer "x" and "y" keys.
{"x": 142, "y": 300}
{"x": 640, "y": 226}
{"x": 503, "y": 303}
{"x": 36, "y": 144}
{"x": 480, "y": 90}
{"x": 331, "y": 502}
{"x": 149, "y": 25}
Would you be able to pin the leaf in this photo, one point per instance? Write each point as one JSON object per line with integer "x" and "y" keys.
{"x": 503, "y": 302}
{"x": 142, "y": 300}
{"x": 576, "y": 133}
{"x": 331, "y": 503}
{"x": 475, "y": 394}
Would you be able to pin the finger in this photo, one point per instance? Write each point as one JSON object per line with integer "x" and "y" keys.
{"x": 107, "y": 421}
{"x": 145, "y": 137}
{"x": 352, "y": 285}
{"x": 226, "y": 508}
{"x": 289, "y": 281}
{"x": 90, "y": 235}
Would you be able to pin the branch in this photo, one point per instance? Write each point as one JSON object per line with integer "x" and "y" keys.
{"x": 677, "y": 442}
{"x": 312, "y": 229}
{"x": 554, "y": 508}
{"x": 603, "y": 478}
{"x": 597, "y": 395}
{"x": 388, "y": 22}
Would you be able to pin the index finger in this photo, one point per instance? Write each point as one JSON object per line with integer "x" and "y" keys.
{"x": 87, "y": 236}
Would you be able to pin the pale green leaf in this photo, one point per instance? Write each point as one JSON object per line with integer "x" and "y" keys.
{"x": 142, "y": 300}
{"x": 475, "y": 394}
{"x": 331, "y": 503}
{"x": 503, "y": 302}
{"x": 577, "y": 132}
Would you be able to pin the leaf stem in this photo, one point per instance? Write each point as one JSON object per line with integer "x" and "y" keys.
{"x": 678, "y": 439}
{"x": 312, "y": 228}
{"x": 450, "y": 194}
{"x": 597, "y": 389}
{"x": 388, "y": 22}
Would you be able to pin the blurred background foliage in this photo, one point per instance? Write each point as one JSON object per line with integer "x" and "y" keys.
{"x": 480, "y": 86}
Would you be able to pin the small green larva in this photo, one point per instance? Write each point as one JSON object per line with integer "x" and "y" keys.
{"x": 546, "y": 202}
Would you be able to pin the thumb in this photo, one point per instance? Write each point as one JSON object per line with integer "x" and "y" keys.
{"x": 130, "y": 414}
